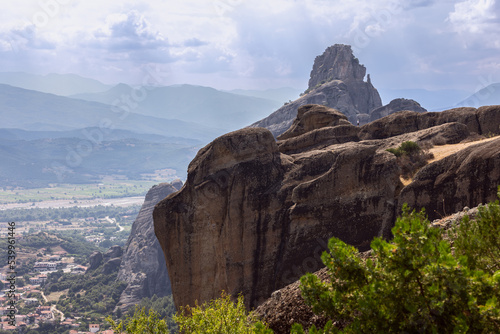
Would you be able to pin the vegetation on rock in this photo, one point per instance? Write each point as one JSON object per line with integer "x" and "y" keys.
{"x": 410, "y": 158}
{"x": 219, "y": 316}
{"x": 140, "y": 323}
{"x": 420, "y": 282}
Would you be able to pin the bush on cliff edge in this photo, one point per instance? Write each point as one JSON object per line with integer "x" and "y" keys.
{"x": 417, "y": 283}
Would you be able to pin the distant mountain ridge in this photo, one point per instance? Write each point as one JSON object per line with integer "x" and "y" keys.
{"x": 32, "y": 110}
{"x": 117, "y": 134}
{"x": 280, "y": 95}
{"x": 58, "y": 84}
{"x": 489, "y": 95}
{"x": 206, "y": 105}
{"x": 37, "y": 163}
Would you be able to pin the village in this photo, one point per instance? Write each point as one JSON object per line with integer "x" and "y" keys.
{"x": 34, "y": 265}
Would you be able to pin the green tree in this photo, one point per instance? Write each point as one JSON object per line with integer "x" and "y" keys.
{"x": 140, "y": 323}
{"x": 479, "y": 240}
{"x": 219, "y": 316}
{"x": 414, "y": 284}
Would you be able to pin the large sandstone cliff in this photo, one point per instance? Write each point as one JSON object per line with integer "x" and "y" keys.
{"x": 255, "y": 213}
{"x": 143, "y": 263}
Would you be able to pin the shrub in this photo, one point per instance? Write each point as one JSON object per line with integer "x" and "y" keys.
{"x": 410, "y": 158}
{"x": 219, "y": 316}
{"x": 140, "y": 323}
{"x": 414, "y": 284}
{"x": 479, "y": 240}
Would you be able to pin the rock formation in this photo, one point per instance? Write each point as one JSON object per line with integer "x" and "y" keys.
{"x": 394, "y": 106}
{"x": 466, "y": 178}
{"x": 111, "y": 260}
{"x": 336, "y": 81}
{"x": 255, "y": 214}
{"x": 95, "y": 260}
{"x": 336, "y": 63}
{"x": 143, "y": 264}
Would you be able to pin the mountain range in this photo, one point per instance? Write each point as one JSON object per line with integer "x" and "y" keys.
{"x": 188, "y": 103}
{"x": 44, "y": 135}
{"x": 59, "y": 84}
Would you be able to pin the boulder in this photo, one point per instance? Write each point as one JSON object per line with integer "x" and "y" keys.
{"x": 95, "y": 260}
{"x": 249, "y": 218}
{"x": 409, "y": 121}
{"x": 111, "y": 266}
{"x": 395, "y": 106}
{"x": 311, "y": 117}
{"x": 113, "y": 252}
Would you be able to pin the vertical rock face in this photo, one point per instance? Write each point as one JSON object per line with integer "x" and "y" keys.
{"x": 220, "y": 232}
{"x": 336, "y": 63}
{"x": 256, "y": 214}
{"x": 337, "y": 82}
{"x": 143, "y": 264}
{"x": 250, "y": 218}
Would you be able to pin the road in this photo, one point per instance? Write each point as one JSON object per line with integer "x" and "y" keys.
{"x": 113, "y": 221}
{"x": 53, "y": 307}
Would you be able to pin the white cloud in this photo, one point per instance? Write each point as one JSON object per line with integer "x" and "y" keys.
{"x": 238, "y": 43}
{"x": 474, "y": 16}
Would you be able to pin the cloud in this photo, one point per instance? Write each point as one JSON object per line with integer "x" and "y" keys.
{"x": 194, "y": 42}
{"x": 411, "y": 4}
{"x": 477, "y": 23}
{"x": 127, "y": 32}
{"x": 24, "y": 37}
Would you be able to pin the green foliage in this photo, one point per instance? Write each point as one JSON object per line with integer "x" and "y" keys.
{"x": 219, "y": 316}
{"x": 141, "y": 322}
{"x": 163, "y": 306}
{"x": 414, "y": 284}
{"x": 410, "y": 157}
{"x": 93, "y": 294}
{"x": 406, "y": 148}
{"x": 479, "y": 241}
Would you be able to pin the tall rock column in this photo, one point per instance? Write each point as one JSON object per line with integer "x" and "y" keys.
{"x": 217, "y": 232}
{"x": 143, "y": 264}
{"x": 336, "y": 81}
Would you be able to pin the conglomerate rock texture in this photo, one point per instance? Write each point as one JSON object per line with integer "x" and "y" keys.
{"x": 143, "y": 264}
{"x": 255, "y": 213}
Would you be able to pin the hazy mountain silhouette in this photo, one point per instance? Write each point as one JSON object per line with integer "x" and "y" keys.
{"x": 490, "y": 95}
{"x": 206, "y": 105}
{"x": 280, "y": 95}
{"x": 37, "y": 163}
{"x": 32, "y": 110}
{"x": 117, "y": 134}
{"x": 59, "y": 84}
{"x": 431, "y": 100}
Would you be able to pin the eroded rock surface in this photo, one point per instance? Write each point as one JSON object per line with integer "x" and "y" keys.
{"x": 395, "y": 106}
{"x": 143, "y": 264}
{"x": 255, "y": 214}
{"x": 466, "y": 178}
{"x": 336, "y": 81}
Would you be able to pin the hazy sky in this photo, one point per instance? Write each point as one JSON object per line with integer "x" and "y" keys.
{"x": 253, "y": 44}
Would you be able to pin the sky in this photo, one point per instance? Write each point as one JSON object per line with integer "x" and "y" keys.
{"x": 258, "y": 44}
